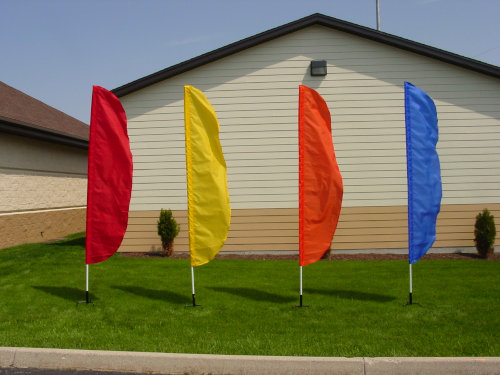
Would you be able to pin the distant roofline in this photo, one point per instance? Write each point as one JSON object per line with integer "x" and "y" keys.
{"x": 23, "y": 115}
{"x": 314, "y": 19}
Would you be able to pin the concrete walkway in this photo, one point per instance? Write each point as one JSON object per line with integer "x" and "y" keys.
{"x": 164, "y": 363}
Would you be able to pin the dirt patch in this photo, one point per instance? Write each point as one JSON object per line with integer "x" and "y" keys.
{"x": 333, "y": 257}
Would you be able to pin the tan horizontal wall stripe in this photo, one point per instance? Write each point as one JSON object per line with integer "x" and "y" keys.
{"x": 40, "y": 226}
{"x": 156, "y": 247}
{"x": 277, "y": 229}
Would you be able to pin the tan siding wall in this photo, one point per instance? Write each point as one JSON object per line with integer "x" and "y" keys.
{"x": 20, "y": 153}
{"x": 277, "y": 229}
{"x": 16, "y": 229}
{"x": 254, "y": 93}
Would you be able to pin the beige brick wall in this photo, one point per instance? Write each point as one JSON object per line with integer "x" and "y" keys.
{"x": 29, "y": 190}
{"x": 20, "y": 228}
{"x": 43, "y": 190}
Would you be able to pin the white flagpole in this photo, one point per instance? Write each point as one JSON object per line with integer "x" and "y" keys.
{"x": 87, "y": 283}
{"x": 411, "y": 286}
{"x": 300, "y": 286}
{"x": 192, "y": 289}
{"x": 87, "y": 298}
{"x": 192, "y": 285}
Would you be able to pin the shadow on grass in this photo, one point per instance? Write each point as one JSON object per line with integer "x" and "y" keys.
{"x": 352, "y": 294}
{"x": 162, "y": 295}
{"x": 66, "y": 292}
{"x": 255, "y": 294}
{"x": 80, "y": 241}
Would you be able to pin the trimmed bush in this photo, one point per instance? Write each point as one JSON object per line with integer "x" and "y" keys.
{"x": 168, "y": 229}
{"x": 484, "y": 233}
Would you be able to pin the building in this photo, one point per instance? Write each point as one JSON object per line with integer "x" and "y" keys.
{"x": 253, "y": 86}
{"x": 43, "y": 170}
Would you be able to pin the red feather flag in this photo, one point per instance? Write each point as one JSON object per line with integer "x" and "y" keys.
{"x": 109, "y": 176}
{"x": 320, "y": 181}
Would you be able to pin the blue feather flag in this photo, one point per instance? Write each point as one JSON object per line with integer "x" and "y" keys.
{"x": 423, "y": 171}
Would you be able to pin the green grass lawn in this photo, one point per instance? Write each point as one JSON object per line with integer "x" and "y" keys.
{"x": 356, "y": 308}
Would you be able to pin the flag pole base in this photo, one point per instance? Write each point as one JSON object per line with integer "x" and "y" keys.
{"x": 87, "y": 300}
{"x": 300, "y": 303}
{"x": 410, "y": 301}
{"x": 194, "y": 303}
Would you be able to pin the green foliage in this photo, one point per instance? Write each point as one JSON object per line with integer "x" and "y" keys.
{"x": 168, "y": 229}
{"x": 484, "y": 233}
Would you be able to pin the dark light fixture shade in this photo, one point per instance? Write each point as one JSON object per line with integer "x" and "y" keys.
{"x": 318, "y": 68}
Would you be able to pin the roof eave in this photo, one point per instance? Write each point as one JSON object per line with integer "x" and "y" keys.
{"x": 211, "y": 56}
{"x": 39, "y": 134}
{"x": 422, "y": 49}
{"x": 315, "y": 19}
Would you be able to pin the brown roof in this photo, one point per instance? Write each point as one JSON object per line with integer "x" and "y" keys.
{"x": 25, "y": 115}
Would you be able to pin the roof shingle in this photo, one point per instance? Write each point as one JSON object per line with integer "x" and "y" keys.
{"x": 18, "y": 109}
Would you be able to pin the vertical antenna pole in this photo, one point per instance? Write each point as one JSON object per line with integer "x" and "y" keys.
{"x": 378, "y": 15}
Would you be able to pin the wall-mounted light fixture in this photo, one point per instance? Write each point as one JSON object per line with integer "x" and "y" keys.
{"x": 318, "y": 68}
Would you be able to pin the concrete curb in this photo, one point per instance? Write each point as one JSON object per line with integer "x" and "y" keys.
{"x": 165, "y": 363}
{"x": 433, "y": 366}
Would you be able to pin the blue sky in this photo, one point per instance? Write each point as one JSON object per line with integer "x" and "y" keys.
{"x": 55, "y": 50}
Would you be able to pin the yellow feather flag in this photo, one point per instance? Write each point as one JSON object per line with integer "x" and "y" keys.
{"x": 209, "y": 211}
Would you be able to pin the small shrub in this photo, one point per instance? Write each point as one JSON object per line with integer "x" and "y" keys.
{"x": 484, "y": 233}
{"x": 168, "y": 229}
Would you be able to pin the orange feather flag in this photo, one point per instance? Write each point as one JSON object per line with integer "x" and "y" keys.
{"x": 320, "y": 182}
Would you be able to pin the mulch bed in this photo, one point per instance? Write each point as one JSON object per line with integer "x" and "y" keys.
{"x": 374, "y": 256}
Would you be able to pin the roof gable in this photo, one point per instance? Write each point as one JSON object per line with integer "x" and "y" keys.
{"x": 315, "y": 19}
